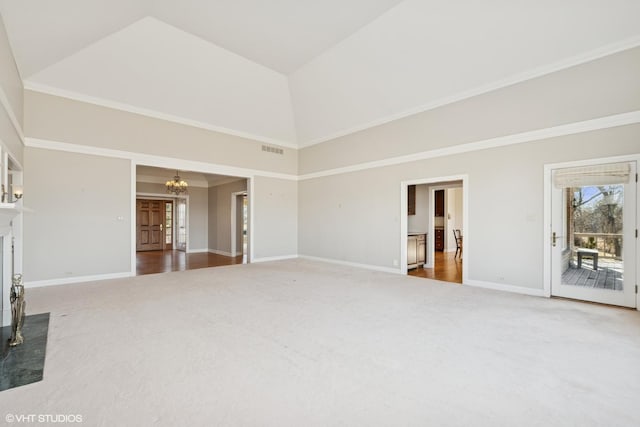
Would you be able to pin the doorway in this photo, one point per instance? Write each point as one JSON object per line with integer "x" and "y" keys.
{"x": 593, "y": 232}
{"x": 431, "y": 209}
{"x": 239, "y": 225}
{"x": 154, "y": 225}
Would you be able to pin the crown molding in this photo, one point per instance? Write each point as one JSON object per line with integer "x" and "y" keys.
{"x": 632, "y": 117}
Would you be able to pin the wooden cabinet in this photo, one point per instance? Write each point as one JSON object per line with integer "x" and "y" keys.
{"x": 439, "y": 239}
{"x": 439, "y": 202}
{"x": 411, "y": 200}
{"x": 416, "y": 250}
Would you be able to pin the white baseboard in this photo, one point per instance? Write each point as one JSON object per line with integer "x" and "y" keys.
{"x": 78, "y": 279}
{"x": 505, "y": 287}
{"x": 223, "y": 253}
{"x": 198, "y": 251}
{"x": 353, "y": 264}
{"x": 274, "y": 258}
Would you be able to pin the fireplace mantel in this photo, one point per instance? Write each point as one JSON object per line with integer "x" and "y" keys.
{"x": 8, "y": 211}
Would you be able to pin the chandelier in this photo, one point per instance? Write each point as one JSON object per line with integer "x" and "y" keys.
{"x": 177, "y": 185}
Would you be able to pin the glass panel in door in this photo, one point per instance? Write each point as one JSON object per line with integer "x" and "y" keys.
{"x": 181, "y": 224}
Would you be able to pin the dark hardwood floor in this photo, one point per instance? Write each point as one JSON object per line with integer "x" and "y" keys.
{"x": 149, "y": 262}
{"x": 445, "y": 267}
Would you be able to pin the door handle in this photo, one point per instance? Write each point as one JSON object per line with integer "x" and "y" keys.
{"x": 160, "y": 227}
{"x": 553, "y": 239}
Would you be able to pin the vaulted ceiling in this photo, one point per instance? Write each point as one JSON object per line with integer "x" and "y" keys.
{"x": 298, "y": 72}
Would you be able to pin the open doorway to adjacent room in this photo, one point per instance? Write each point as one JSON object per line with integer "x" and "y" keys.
{"x": 187, "y": 230}
{"x": 434, "y": 229}
{"x": 239, "y": 225}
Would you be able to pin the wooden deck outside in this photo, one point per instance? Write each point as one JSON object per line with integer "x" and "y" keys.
{"x": 603, "y": 278}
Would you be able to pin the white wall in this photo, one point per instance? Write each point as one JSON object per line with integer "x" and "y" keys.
{"x": 67, "y": 125}
{"x": 274, "y": 218}
{"x": 12, "y": 99}
{"x": 592, "y": 90}
{"x": 57, "y": 119}
{"x": 11, "y": 124}
{"x": 354, "y": 217}
{"x": 392, "y": 66}
{"x": 223, "y": 91}
{"x": 81, "y": 220}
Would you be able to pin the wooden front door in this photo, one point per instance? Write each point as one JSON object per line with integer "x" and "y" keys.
{"x": 149, "y": 225}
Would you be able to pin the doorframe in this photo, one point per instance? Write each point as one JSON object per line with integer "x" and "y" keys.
{"x": 163, "y": 197}
{"x": 547, "y": 254}
{"x": 404, "y": 222}
{"x": 234, "y": 200}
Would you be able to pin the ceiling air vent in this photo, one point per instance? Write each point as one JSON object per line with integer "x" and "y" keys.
{"x": 274, "y": 150}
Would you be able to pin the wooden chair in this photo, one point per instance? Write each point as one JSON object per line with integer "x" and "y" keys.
{"x": 458, "y": 237}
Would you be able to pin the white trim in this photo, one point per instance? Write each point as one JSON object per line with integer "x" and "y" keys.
{"x": 353, "y": 264}
{"x": 122, "y": 106}
{"x": 223, "y": 253}
{"x": 6, "y": 233}
{"x": 514, "y": 79}
{"x": 157, "y": 161}
{"x": 433, "y": 185}
{"x": 148, "y": 179}
{"x": 622, "y": 119}
{"x": 159, "y": 196}
{"x": 4, "y": 100}
{"x": 251, "y": 205}
{"x": 134, "y": 219}
{"x": 198, "y": 251}
{"x": 234, "y": 201}
{"x": 78, "y": 279}
{"x": 504, "y": 287}
{"x": 501, "y": 141}
{"x": 274, "y": 258}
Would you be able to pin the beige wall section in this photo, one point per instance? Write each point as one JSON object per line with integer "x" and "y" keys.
{"x": 220, "y": 219}
{"x": 64, "y": 120}
{"x": 354, "y": 217}
{"x": 198, "y": 212}
{"x": 592, "y": 90}
{"x": 10, "y": 138}
{"x": 10, "y": 80}
{"x": 79, "y": 229}
{"x": 12, "y": 89}
{"x": 275, "y": 217}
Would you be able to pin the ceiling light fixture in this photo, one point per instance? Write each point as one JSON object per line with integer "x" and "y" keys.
{"x": 177, "y": 185}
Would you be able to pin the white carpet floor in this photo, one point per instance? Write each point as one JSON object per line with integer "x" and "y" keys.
{"x": 300, "y": 343}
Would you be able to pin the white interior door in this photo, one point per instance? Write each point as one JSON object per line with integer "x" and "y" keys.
{"x": 593, "y": 233}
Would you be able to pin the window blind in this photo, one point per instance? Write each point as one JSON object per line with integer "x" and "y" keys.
{"x": 605, "y": 174}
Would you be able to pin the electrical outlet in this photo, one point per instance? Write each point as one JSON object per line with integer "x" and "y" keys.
{"x": 395, "y": 263}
